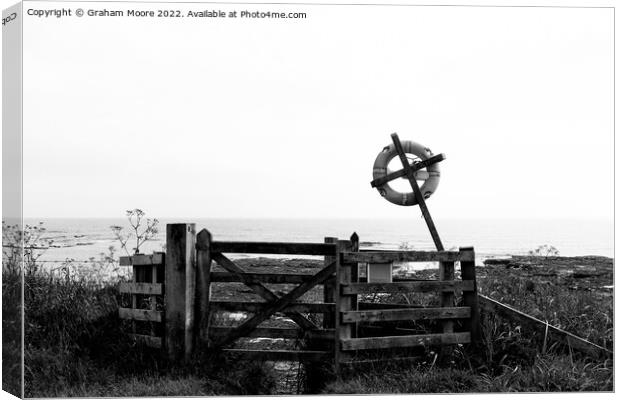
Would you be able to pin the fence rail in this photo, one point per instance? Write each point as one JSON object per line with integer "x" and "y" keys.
{"x": 388, "y": 342}
{"x": 403, "y": 256}
{"x": 311, "y": 249}
{"x": 407, "y": 314}
{"x": 143, "y": 259}
{"x": 408, "y": 287}
{"x": 141, "y": 288}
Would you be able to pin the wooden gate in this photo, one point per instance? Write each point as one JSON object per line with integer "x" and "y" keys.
{"x": 194, "y": 263}
{"x": 190, "y": 274}
{"x": 221, "y": 336}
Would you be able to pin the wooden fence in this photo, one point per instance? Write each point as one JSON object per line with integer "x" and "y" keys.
{"x": 349, "y": 288}
{"x": 146, "y": 293}
{"x": 190, "y": 274}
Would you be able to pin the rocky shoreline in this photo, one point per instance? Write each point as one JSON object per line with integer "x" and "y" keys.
{"x": 592, "y": 273}
{"x": 578, "y": 273}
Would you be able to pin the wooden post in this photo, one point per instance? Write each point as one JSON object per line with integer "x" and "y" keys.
{"x": 134, "y": 297}
{"x": 203, "y": 286}
{"x": 344, "y": 273}
{"x": 180, "y": 289}
{"x": 329, "y": 288}
{"x": 418, "y": 194}
{"x": 355, "y": 246}
{"x": 340, "y": 332}
{"x": 316, "y": 372}
{"x": 470, "y": 297}
{"x": 153, "y": 299}
{"x": 446, "y": 273}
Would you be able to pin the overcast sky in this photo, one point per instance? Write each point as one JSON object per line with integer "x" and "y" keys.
{"x": 284, "y": 118}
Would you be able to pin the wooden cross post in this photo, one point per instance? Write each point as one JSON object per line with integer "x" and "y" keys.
{"x": 409, "y": 173}
{"x": 446, "y": 269}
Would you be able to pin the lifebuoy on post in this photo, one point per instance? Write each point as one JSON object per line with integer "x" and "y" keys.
{"x": 430, "y": 176}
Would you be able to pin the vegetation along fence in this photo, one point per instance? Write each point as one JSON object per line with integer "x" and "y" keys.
{"x": 183, "y": 277}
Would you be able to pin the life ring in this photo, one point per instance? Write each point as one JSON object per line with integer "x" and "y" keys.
{"x": 431, "y": 176}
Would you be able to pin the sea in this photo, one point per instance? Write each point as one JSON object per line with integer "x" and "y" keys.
{"x": 80, "y": 239}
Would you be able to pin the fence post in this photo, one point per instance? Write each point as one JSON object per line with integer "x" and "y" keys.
{"x": 134, "y": 297}
{"x": 470, "y": 298}
{"x": 344, "y": 274}
{"x": 355, "y": 246}
{"x": 316, "y": 371}
{"x": 203, "y": 286}
{"x": 446, "y": 273}
{"x": 329, "y": 288}
{"x": 156, "y": 277}
{"x": 180, "y": 289}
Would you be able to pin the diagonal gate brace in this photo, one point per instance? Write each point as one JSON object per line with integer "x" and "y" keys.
{"x": 261, "y": 290}
{"x": 278, "y": 305}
